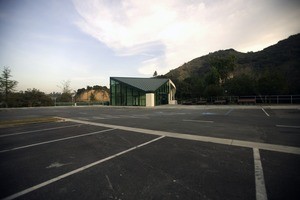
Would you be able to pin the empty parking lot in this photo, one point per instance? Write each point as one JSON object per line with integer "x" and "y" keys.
{"x": 180, "y": 152}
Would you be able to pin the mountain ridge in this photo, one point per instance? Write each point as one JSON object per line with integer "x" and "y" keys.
{"x": 282, "y": 58}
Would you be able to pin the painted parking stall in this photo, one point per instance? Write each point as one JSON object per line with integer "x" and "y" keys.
{"x": 35, "y": 164}
{"x": 163, "y": 153}
{"x": 166, "y": 169}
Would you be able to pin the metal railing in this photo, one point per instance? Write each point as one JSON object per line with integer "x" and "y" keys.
{"x": 83, "y": 103}
{"x": 260, "y": 99}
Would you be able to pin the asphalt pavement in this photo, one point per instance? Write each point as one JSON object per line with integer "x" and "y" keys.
{"x": 166, "y": 152}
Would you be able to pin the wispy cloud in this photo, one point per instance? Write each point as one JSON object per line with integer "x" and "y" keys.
{"x": 186, "y": 29}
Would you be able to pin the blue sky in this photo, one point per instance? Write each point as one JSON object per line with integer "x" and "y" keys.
{"x": 46, "y": 42}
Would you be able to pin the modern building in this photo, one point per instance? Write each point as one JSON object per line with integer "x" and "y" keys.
{"x": 125, "y": 91}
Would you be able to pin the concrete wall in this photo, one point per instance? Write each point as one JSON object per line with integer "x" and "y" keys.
{"x": 150, "y": 101}
{"x": 173, "y": 102}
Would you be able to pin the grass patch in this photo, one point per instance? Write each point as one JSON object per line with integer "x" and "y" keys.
{"x": 18, "y": 122}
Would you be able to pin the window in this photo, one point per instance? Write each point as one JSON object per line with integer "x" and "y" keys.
{"x": 112, "y": 92}
{"x": 125, "y": 95}
{"x": 161, "y": 94}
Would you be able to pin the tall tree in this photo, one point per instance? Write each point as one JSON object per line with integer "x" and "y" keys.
{"x": 7, "y": 85}
{"x": 241, "y": 85}
{"x": 272, "y": 82}
{"x": 155, "y": 74}
{"x": 212, "y": 77}
{"x": 224, "y": 66}
{"x": 65, "y": 86}
{"x": 66, "y": 95}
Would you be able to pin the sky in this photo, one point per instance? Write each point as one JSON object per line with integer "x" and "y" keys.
{"x": 48, "y": 42}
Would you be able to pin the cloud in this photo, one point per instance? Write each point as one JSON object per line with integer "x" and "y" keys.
{"x": 185, "y": 29}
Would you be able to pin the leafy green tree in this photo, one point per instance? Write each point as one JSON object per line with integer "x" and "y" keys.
{"x": 65, "y": 97}
{"x": 80, "y": 91}
{"x": 184, "y": 90}
{"x": 16, "y": 99}
{"x": 29, "y": 98}
{"x": 34, "y": 97}
{"x": 224, "y": 66}
{"x": 7, "y": 85}
{"x": 97, "y": 87}
{"x": 197, "y": 87}
{"x": 241, "y": 85}
{"x": 213, "y": 77}
{"x": 272, "y": 82}
{"x": 155, "y": 74}
{"x": 213, "y": 91}
{"x": 89, "y": 87}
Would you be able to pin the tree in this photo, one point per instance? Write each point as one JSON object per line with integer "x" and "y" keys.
{"x": 224, "y": 66}
{"x": 7, "y": 85}
{"x": 213, "y": 91}
{"x": 184, "y": 89}
{"x": 34, "y": 97}
{"x": 65, "y": 86}
{"x": 198, "y": 87}
{"x": 213, "y": 77}
{"x": 97, "y": 87}
{"x": 92, "y": 97}
{"x": 89, "y": 87}
{"x": 241, "y": 85}
{"x": 155, "y": 74}
{"x": 80, "y": 91}
{"x": 29, "y": 98}
{"x": 66, "y": 95}
{"x": 272, "y": 82}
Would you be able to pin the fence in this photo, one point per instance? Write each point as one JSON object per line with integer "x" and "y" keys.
{"x": 261, "y": 99}
{"x": 91, "y": 103}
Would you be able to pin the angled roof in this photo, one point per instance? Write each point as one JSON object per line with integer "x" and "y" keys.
{"x": 145, "y": 84}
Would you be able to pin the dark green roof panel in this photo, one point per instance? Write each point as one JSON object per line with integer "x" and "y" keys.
{"x": 145, "y": 84}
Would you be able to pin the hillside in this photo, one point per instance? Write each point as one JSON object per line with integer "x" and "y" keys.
{"x": 277, "y": 62}
{"x": 95, "y": 93}
{"x": 98, "y": 96}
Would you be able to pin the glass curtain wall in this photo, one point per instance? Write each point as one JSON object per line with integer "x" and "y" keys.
{"x": 112, "y": 92}
{"x": 161, "y": 94}
{"x": 125, "y": 95}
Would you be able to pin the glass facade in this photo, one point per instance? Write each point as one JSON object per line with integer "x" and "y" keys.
{"x": 161, "y": 94}
{"x": 125, "y": 95}
{"x": 122, "y": 94}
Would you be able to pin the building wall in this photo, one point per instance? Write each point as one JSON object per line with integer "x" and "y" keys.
{"x": 125, "y": 95}
{"x": 122, "y": 94}
{"x": 150, "y": 100}
{"x": 161, "y": 94}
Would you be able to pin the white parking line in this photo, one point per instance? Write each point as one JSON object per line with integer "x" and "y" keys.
{"x": 82, "y": 118}
{"x": 260, "y": 187}
{"x": 202, "y": 121}
{"x": 229, "y": 111}
{"x": 40, "y": 130}
{"x": 138, "y": 116}
{"x": 239, "y": 143}
{"x": 95, "y": 117}
{"x": 286, "y": 126}
{"x": 21, "y": 193}
{"x": 111, "y": 116}
{"x": 265, "y": 112}
{"x": 57, "y": 140}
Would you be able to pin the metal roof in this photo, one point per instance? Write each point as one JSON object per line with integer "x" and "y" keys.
{"x": 145, "y": 84}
